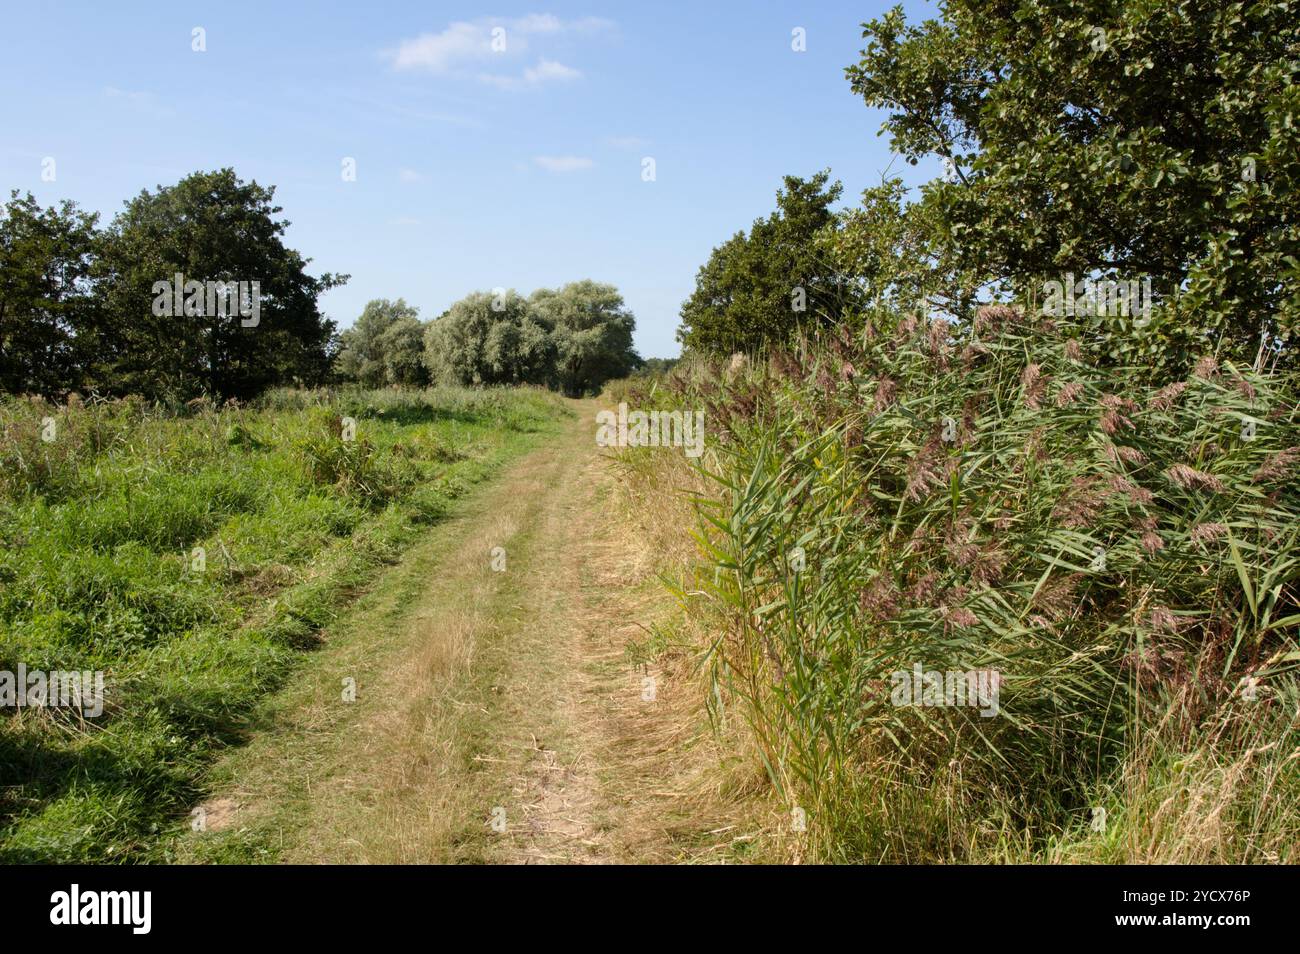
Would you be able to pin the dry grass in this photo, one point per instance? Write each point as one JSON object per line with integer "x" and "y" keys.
{"x": 480, "y": 690}
{"x": 719, "y": 768}
{"x": 1230, "y": 799}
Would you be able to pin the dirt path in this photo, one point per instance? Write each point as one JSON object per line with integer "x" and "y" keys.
{"x": 496, "y": 716}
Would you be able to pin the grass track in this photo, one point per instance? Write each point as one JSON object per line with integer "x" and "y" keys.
{"x": 96, "y": 531}
{"x": 480, "y": 690}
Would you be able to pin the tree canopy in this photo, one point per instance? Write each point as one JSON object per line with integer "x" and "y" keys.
{"x": 1122, "y": 140}
{"x": 760, "y": 287}
{"x": 210, "y": 226}
{"x": 190, "y": 290}
{"x": 572, "y": 339}
{"x": 48, "y": 314}
{"x": 489, "y": 338}
{"x": 385, "y": 346}
{"x": 591, "y": 330}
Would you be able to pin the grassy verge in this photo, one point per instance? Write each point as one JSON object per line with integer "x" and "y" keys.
{"x": 193, "y": 558}
{"x": 719, "y": 768}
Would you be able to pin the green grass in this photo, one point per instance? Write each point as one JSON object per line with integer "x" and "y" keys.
{"x": 99, "y": 529}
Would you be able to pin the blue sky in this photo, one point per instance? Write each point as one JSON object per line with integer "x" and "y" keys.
{"x": 475, "y": 168}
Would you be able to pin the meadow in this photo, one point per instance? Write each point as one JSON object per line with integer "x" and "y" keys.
{"x": 193, "y": 553}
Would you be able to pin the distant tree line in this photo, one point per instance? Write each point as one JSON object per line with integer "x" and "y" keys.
{"x": 90, "y": 309}
{"x": 191, "y": 291}
{"x": 572, "y": 339}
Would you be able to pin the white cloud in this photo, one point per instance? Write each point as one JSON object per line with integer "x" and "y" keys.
{"x": 438, "y": 52}
{"x": 546, "y": 71}
{"x": 410, "y": 175}
{"x": 563, "y": 163}
{"x": 466, "y": 44}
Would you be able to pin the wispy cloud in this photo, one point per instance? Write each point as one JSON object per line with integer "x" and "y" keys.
{"x": 397, "y": 110}
{"x": 140, "y": 100}
{"x": 410, "y": 175}
{"x": 546, "y": 71}
{"x": 626, "y": 142}
{"x": 466, "y": 47}
{"x": 563, "y": 163}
